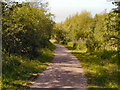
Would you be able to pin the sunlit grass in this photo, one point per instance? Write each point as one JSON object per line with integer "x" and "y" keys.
{"x": 52, "y": 40}
{"x": 101, "y": 68}
{"x": 0, "y": 82}
{"x": 17, "y": 70}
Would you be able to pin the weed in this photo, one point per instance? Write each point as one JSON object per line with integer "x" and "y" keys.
{"x": 18, "y": 69}
{"x": 100, "y": 67}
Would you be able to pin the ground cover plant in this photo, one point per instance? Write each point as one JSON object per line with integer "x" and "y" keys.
{"x": 101, "y": 68}
{"x": 18, "y": 70}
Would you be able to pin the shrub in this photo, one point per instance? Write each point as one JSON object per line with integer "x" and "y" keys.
{"x": 25, "y": 29}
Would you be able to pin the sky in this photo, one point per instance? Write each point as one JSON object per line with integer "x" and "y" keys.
{"x": 66, "y": 8}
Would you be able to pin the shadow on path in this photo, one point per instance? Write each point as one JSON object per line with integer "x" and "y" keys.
{"x": 64, "y": 72}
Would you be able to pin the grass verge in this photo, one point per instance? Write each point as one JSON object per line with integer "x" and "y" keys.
{"x": 18, "y": 70}
{"x": 101, "y": 68}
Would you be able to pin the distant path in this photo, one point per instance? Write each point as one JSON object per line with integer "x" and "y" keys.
{"x": 63, "y": 72}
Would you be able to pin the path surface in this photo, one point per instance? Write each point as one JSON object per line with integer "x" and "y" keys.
{"x": 64, "y": 72}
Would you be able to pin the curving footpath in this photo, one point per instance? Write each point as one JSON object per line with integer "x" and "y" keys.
{"x": 64, "y": 71}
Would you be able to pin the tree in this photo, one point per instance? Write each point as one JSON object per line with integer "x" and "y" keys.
{"x": 25, "y": 29}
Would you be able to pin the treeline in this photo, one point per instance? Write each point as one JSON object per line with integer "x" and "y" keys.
{"x": 95, "y": 41}
{"x": 98, "y": 33}
{"x": 25, "y": 28}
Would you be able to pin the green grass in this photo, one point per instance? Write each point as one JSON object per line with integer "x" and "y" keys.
{"x": 0, "y": 82}
{"x": 0, "y": 74}
{"x": 52, "y": 40}
{"x": 101, "y": 68}
{"x": 17, "y": 70}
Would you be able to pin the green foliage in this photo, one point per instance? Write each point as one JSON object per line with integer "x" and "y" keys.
{"x": 58, "y": 33}
{"x": 82, "y": 46}
{"x": 74, "y": 28}
{"x": 26, "y": 48}
{"x": 70, "y": 44}
{"x": 0, "y": 82}
{"x": 101, "y": 68}
{"x": 25, "y": 29}
{"x": 96, "y": 37}
{"x": 98, "y": 33}
{"x": 17, "y": 70}
{"x": 95, "y": 42}
{"x": 75, "y": 45}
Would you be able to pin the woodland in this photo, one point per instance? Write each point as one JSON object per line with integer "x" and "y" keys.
{"x": 28, "y": 31}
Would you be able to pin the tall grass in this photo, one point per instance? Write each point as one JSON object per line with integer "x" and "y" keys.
{"x": 17, "y": 70}
{"x": 100, "y": 67}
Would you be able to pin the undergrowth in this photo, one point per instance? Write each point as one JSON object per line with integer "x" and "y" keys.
{"x": 18, "y": 69}
{"x": 100, "y": 67}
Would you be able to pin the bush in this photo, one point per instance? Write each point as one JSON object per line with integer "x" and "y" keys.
{"x": 64, "y": 42}
{"x": 25, "y": 29}
{"x": 70, "y": 44}
{"x": 17, "y": 70}
{"x": 79, "y": 45}
{"x": 75, "y": 45}
{"x": 113, "y": 55}
{"x": 82, "y": 46}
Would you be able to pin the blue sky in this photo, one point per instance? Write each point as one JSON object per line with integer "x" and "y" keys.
{"x": 65, "y": 8}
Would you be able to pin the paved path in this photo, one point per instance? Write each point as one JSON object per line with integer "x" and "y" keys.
{"x": 63, "y": 72}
